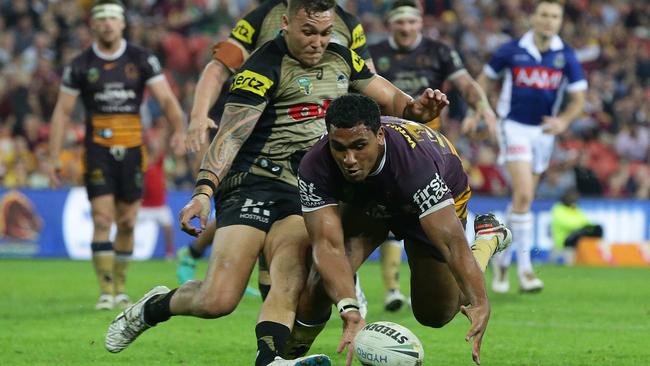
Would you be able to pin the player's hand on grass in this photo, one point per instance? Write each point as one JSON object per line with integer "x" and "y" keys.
{"x": 554, "y": 125}
{"x": 199, "y": 207}
{"x": 427, "y": 106}
{"x": 478, "y": 316}
{"x": 197, "y": 133}
{"x": 352, "y": 324}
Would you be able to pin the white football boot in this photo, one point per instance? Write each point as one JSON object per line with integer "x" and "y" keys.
{"x": 528, "y": 282}
{"x": 129, "y": 324}
{"x": 122, "y": 301}
{"x": 500, "y": 281}
{"x": 313, "y": 360}
{"x": 105, "y": 302}
{"x": 394, "y": 300}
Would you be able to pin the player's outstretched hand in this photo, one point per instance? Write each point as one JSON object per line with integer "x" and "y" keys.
{"x": 478, "y": 316}
{"x": 197, "y": 133}
{"x": 428, "y": 105}
{"x": 352, "y": 324}
{"x": 199, "y": 207}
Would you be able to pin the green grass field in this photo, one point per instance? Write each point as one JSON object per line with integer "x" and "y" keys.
{"x": 584, "y": 317}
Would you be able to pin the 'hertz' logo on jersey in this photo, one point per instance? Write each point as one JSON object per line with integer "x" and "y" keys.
{"x": 243, "y": 31}
{"x": 252, "y": 82}
{"x": 358, "y": 37}
{"x": 537, "y": 77}
{"x": 357, "y": 61}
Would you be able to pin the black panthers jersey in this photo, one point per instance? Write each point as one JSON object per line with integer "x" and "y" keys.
{"x": 427, "y": 65}
{"x": 263, "y": 24}
{"x": 111, "y": 90}
{"x": 293, "y": 100}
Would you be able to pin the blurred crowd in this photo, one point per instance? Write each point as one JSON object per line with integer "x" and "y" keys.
{"x": 606, "y": 152}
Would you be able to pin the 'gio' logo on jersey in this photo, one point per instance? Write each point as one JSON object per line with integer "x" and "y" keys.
{"x": 252, "y": 82}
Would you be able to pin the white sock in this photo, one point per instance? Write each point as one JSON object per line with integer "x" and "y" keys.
{"x": 522, "y": 240}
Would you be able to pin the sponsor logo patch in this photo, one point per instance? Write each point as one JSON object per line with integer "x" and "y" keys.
{"x": 243, "y": 31}
{"x": 308, "y": 196}
{"x": 357, "y": 61}
{"x": 305, "y": 85}
{"x": 431, "y": 194}
{"x": 358, "y": 37}
{"x": 252, "y": 82}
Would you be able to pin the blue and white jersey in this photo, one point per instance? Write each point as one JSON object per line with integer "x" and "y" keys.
{"x": 534, "y": 82}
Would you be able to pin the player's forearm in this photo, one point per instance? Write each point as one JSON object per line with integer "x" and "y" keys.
{"x": 574, "y": 108}
{"x": 237, "y": 124}
{"x": 335, "y": 270}
{"x": 485, "y": 83}
{"x": 173, "y": 111}
{"x": 473, "y": 94}
{"x": 59, "y": 120}
{"x": 208, "y": 88}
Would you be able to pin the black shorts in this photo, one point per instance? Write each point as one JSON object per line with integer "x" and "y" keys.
{"x": 116, "y": 171}
{"x": 246, "y": 199}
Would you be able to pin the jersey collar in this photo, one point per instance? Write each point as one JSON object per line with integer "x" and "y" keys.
{"x": 393, "y": 44}
{"x": 383, "y": 159}
{"x": 527, "y": 42}
{"x": 107, "y": 57}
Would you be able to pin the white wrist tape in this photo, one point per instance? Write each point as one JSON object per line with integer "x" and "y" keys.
{"x": 347, "y": 304}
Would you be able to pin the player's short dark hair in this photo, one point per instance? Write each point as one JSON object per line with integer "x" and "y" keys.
{"x": 310, "y": 6}
{"x": 400, "y": 3}
{"x": 351, "y": 110}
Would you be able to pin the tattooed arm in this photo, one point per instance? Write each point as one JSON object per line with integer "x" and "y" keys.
{"x": 237, "y": 124}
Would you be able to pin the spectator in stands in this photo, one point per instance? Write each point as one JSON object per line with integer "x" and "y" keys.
{"x": 568, "y": 225}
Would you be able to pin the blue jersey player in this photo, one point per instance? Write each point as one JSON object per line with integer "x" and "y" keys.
{"x": 537, "y": 69}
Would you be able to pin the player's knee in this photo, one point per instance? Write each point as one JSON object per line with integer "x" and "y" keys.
{"x": 101, "y": 221}
{"x": 434, "y": 319}
{"x": 126, "y": 224}
{"x": 216, "y": 306}
{"x": 521, "y": 201}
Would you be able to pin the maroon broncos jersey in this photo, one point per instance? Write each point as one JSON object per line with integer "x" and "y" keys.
{"x": 419, "y": 173}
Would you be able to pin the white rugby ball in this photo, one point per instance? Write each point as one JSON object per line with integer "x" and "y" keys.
{"x": 388, "y": 344}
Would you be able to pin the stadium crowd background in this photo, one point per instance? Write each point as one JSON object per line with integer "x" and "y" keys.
{"x": 604, "y": 153}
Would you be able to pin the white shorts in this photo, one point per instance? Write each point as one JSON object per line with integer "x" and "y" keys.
{"x": 162, "y": 215}
{"x": 521, "y": 142}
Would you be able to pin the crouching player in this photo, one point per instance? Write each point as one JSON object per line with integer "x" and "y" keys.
{"x": 392, "y": 174}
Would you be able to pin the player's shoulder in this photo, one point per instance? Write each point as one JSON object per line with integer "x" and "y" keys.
{"x": 248, "y": 28}
{"x": 349, "y": 19}
{"x": 268, "y": 55}
{"x": 83, "y": 58}
{"x": 135, "y": 50}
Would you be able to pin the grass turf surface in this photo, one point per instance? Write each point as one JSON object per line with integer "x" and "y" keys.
{"x": 585, "y": 316}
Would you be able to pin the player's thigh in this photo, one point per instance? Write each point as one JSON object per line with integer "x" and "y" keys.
{"x": 129, "y": 173}
{"x": 234, "y": 252}
{"x": 126, "y": 212}
{"x": 363, "y": 233}
{"x": 99, "y": 172}
{"x": 435, "y": 295}
{"x": 287, "y": 251}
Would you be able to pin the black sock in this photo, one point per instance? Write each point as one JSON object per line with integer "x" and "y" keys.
{"x": 195, "y": 253}
{"x": 156, "y": 309}
{"x": 271, "y": 339}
